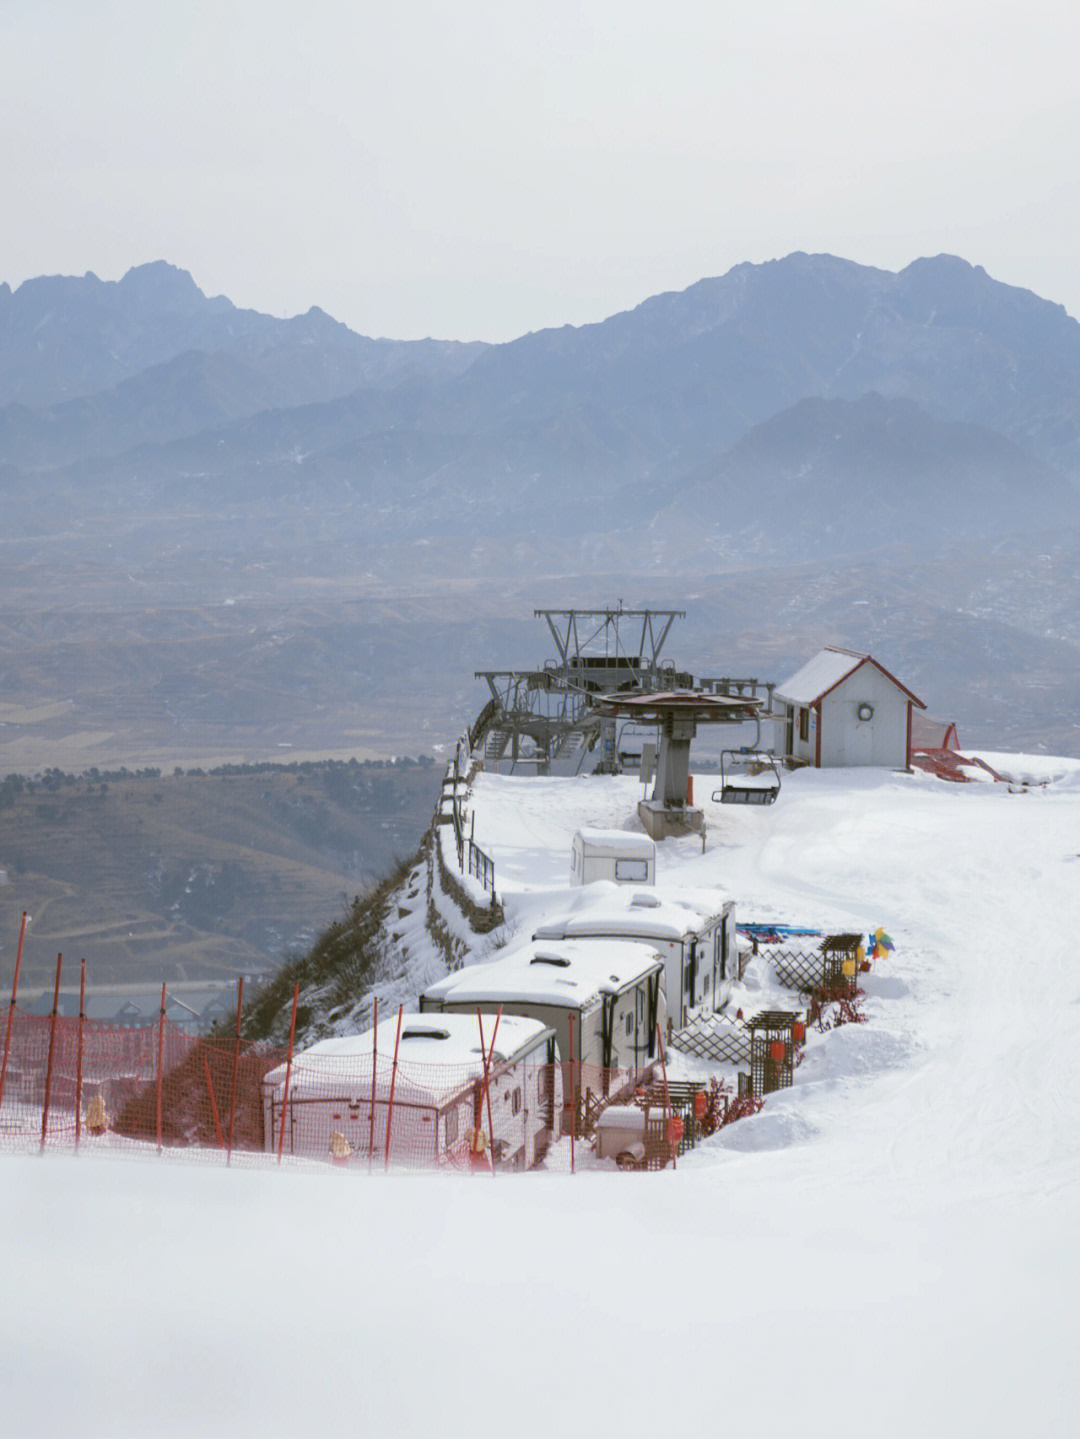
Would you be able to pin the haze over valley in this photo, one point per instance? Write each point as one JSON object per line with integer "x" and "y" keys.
{"x": 230, "y": 538}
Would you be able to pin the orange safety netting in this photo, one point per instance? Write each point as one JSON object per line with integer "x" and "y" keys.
{"x": 69, "y": 1081}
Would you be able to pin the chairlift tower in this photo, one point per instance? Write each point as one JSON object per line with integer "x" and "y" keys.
{"x": 539, "y": 716}
{"x": 677, "y": 714}
{"x": 611, "y": 649}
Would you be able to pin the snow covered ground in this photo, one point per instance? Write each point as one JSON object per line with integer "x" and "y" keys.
{"x": 892, "y": 1247}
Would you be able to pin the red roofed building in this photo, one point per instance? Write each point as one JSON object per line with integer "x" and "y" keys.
{"x": 843, "y": 708}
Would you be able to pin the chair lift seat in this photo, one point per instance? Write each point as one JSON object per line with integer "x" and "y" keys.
{"x": 743, "y": 788}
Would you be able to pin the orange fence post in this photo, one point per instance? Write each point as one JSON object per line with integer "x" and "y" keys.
{"x": 489, "y": 1058}
{"x": 213, "y": 1101}
{"x": 393, "y": 1082}
{"x": 235, "y": 1067}
{"x": 160, "y": 1063}
{"x": 79, "y": 1052}
{"x": 288, "y": 1070}
{"x": 573, "y": 1093}
{"x": 52, "y": 1048}
{"x": 374, "y": 1065}
{"x": 487, "y": 1086}
{"x": 11, "y": 1006}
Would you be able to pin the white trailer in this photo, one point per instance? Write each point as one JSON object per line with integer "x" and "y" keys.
{"x": 604, "y": 1001}
{"x": 437, "y": 1092}
{"x": 618, "y": 855}
{"x": 693, "y": 929}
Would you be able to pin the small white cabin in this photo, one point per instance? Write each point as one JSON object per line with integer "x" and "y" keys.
{"x": 603, "y": 998}
{"x": 844, "y": 708}
{"x": 614, "y": 854}
{"x": 692, "y": 929}
{"x": 437, "y": 1092}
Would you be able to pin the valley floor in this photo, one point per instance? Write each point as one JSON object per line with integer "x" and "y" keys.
{"x": 889, "y": 1248}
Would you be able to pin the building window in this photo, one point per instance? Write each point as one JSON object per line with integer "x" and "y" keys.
{"x": 804, "y": 725}
{"x": 516, "y": 1106}
{"x": 451, "y": 1127}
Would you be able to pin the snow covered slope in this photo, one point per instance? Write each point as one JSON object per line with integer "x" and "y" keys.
{"x": 889, "y": 1248}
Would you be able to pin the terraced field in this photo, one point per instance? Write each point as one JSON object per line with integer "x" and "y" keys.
{"x": 195, "y": 876}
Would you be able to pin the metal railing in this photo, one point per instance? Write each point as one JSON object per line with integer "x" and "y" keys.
{"x": 471, "y": 858}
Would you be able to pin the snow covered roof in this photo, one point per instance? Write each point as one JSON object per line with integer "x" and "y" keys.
{"x": 437, "y": 1056}
{"x": 621, "y": 842}
{"x": 829, "y": 668}
{"x": 570, "y": 974}
{"x": 616, "y": 909}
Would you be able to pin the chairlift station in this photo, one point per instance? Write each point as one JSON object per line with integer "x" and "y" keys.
{"x": 606, "y": 685}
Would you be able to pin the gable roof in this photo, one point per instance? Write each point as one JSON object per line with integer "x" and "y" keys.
{"x": 829, "y": 668}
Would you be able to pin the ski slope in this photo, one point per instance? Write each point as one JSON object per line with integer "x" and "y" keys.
{"x": 889, "y": 1248}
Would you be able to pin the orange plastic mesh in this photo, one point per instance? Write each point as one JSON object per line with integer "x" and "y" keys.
{"x": 158, "y": 1085}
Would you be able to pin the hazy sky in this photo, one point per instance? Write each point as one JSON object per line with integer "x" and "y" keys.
{"x": 475, "y": 170}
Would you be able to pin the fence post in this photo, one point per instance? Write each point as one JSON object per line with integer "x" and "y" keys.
{"x": 11, "y": 1006}
{"x": 160, "y": 1062}
{"x": 49, "y": 1061}
{"x": 236, "y": 1068}
{"x": 213, "y": 1101}
{"x": 489, "y": 1058}
{"x": 288, "y": 1071}
{"x": 573, "y": 1093}
{"x": 79, "y": 1052}
{"x": 374, "y": 1067}
{"x": 393, "y": 1081}
{"x": 667, "y": 1099}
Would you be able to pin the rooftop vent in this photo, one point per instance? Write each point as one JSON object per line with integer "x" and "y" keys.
{"x": 425, "y": 1034}
{"x": 558, "y": 960}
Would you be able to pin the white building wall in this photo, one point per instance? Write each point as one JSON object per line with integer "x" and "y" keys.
{"x": 848, "y": 741}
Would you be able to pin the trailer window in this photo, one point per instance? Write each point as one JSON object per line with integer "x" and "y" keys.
{"x": 632, "y": 870}
{"x": 516, "y": 1106}
{"x": 451, "y": 1126}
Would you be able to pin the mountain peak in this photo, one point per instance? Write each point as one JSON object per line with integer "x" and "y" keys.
{"x": 159, "y": 282}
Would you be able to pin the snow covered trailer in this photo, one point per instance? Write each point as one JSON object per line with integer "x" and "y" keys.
{"x": 609, "y": 993}
{"x": 613, "y": 854}
{"x": 437, "y": 1089}
{"x": 692, "y": 929}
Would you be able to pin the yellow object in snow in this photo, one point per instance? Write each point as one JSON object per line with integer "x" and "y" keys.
{"x": 340, "y": 1147}
{"x": 97, "y": 1117}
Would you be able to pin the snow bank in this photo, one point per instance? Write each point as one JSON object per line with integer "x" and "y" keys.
{"x": 889, "y": 1248}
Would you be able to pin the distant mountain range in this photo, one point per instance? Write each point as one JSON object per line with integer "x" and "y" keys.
{"x": 63, "y": 338}
{"x": 805, "y": 401}
{"x": 224, "y": 532}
